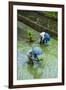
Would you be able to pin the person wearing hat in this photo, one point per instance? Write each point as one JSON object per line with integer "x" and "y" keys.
{"x": 44, "y": 37}
{"x": 34, "y": 53}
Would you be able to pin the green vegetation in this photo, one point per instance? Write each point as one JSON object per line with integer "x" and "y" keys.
{"x": 41, "y": 57}
{"x": 51, "y": 14}
{"x": 30, "y": 35}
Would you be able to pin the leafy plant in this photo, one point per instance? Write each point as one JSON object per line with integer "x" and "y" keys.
{"x": 30, "y": 36}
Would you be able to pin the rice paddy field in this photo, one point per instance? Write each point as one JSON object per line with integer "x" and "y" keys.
{"x": 47, "y": 68}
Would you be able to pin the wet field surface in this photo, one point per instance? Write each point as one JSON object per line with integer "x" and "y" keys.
{"x": 47, "y": 68}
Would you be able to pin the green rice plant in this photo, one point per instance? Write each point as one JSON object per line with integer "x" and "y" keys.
{"x": 30, "y": 36}
{"x": 41, "y": 57}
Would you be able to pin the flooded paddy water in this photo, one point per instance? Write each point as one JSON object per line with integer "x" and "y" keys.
{"x": 48, "y": 68}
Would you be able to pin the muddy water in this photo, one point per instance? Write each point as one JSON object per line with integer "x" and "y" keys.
{"x": 47, "y": 68}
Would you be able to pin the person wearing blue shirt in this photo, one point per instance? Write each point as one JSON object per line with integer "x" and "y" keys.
{"x": 44, "y": 37}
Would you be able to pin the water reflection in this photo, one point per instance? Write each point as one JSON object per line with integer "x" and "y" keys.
{"x": 35, "y": 70}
